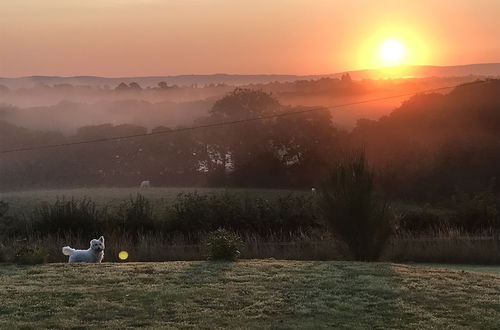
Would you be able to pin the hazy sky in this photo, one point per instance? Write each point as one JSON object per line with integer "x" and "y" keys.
{"x": 165, "y": 37}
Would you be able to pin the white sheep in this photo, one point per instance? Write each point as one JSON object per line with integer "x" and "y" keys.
{"x": 146, "y": 184}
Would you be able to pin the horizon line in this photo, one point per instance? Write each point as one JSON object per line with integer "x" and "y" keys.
{"x": 247, "y": 74}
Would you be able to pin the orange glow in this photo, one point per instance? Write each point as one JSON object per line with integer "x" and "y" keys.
{"x": 158, "y": 37}
{"x": 392, "y": 47}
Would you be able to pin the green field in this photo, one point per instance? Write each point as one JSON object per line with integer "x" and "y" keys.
{"x": 247, "y": 294}
{"x": 24, "y": 201}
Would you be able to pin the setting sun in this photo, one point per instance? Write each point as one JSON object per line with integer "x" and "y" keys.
{"x": 334, "y": 137}
{"x": 392, "y": 52}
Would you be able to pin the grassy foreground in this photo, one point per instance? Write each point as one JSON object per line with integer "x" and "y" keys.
{"x": 247, "y": 294}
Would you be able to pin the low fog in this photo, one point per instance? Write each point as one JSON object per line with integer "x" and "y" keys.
{"x": 67, "y": 104}
{"x": 410, "y": 138}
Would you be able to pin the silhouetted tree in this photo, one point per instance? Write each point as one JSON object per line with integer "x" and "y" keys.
{"x": 233, "y": 149}
{"x": 122, "y": 87}
{"x": 163, "y": 85}
{"x": 135, "y": 86}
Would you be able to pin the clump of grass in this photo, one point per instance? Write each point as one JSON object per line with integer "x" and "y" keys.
{"x": 223, "y": 245}
{"x": 356, "y": 216}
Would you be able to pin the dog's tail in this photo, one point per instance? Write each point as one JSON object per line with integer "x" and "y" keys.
{"x": 68, "y": 251}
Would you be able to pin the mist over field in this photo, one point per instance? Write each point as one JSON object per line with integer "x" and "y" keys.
{"x": 64, "y": 104}
{"x": 410, "y": 129}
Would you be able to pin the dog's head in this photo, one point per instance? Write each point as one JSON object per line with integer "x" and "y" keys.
{"x": 97, "y": 245}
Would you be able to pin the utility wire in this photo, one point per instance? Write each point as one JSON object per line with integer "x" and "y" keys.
{"x": 234, "y": 122}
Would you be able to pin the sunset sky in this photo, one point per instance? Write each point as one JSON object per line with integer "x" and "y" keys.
{"x": 164, "y": 37}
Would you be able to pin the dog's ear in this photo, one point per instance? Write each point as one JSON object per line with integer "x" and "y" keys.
{"x": 101, "y": 239}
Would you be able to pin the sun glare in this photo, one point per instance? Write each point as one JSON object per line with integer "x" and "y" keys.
{"x": 393, "y": 47}
{"x": 392, "y": 52}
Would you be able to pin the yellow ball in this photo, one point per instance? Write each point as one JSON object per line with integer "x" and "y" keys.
{"x": 123, "y": 255}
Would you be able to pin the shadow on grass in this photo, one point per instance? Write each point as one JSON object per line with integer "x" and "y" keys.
{"x": 203, "y": 272}
{"x": 444, "y": 298}
{"x": 339, "y": 295}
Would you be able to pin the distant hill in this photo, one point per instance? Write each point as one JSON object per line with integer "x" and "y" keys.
{"x": 487, "y": 69}
{"x": 421, "y": 71}
{"x": 181, "y": 80}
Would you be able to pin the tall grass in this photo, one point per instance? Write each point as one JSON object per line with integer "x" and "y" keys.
{"x": 69, "y": 216}
{"x": 287, "y": 227}
{"x": 442, "y": 247}
{"x": 446, "y": 245}
{"x": 352, "y": 210}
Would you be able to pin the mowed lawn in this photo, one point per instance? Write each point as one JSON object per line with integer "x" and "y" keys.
{"x": 247, "y": 294}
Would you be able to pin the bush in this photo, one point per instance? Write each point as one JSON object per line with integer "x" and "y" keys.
{"x": 476, "y": 211}
{"x": 297, "y": 213}
{"x": 69, "y": 216}
{"x": 192, "y": 212}
{"x": 351, "y": 209}
{"x": 223, "y": 245}
{"x": 136, "y": 215}
{"x": 10, "y": 226}
{"x": 188, "y": 213}
{"x": 424, "y": 219}
{"x": 13, "y": 227}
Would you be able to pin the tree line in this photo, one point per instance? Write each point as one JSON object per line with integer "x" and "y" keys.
{"x": 424, "y": 149}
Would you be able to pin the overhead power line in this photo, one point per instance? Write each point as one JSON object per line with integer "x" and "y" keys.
{"x": 234, "y": 122}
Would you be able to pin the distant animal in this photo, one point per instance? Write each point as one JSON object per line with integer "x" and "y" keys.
{"x": 146, "y": 184}
{"x": 94, "y": 254}
{"x": 313, "y": 190}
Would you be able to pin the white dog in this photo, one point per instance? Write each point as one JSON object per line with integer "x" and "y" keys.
{"x": 95, "y": 253}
